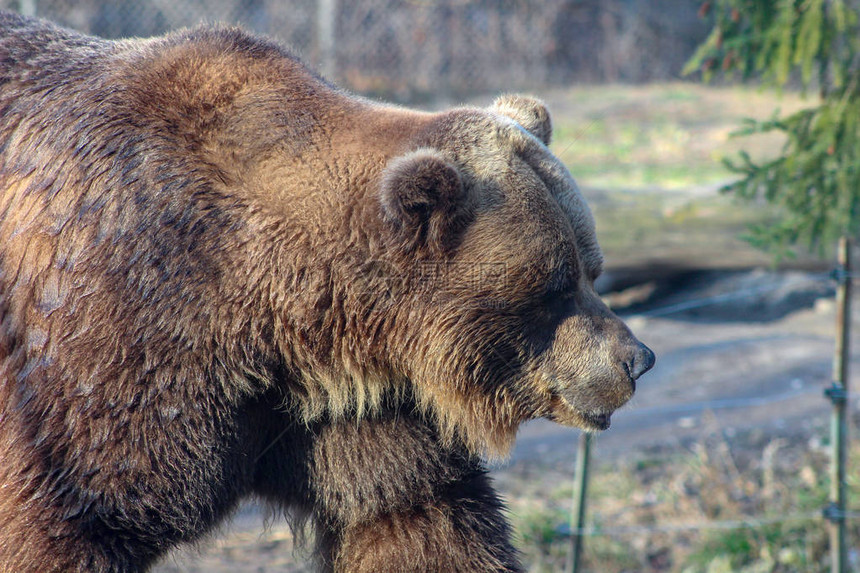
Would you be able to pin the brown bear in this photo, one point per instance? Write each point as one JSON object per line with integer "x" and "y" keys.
{"x": 222, "y": 277}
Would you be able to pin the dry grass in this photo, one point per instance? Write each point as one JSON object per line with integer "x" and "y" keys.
{"x": 663, "y": 136}
{"x": 681, "y": 511}
{"x": 648, "y": 159}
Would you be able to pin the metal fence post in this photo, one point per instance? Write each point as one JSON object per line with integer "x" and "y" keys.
{"x": 27, "y": 7}
{"x": 579, "y": 500}
{"x": 838, "y": 395}
{"x": 326, "y": 24}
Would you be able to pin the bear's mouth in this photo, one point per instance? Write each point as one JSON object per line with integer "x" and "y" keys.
{"x": 563, "y": 412}
{"x": 596, "y": 421}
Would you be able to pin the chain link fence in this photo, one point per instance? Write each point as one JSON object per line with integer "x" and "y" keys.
{"x": 416, "y": 49}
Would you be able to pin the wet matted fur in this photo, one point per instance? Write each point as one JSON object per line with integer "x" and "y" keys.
{"x": 221, "y": 276}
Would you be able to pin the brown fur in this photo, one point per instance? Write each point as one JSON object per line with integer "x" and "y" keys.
{"x": 221, "y": 276}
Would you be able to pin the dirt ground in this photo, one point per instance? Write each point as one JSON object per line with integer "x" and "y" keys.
{"x": 755, "y": 352}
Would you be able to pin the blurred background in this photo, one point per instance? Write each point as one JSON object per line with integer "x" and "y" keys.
{"x": 722, "y": 461}
{"x": 420, "y": 49}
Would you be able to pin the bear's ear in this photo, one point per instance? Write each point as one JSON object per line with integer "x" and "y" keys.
{"x": 529, "y": 112}
{"x": 424, "y": 200}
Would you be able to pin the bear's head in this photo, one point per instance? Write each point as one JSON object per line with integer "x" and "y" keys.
{"x": 494, "y": 319}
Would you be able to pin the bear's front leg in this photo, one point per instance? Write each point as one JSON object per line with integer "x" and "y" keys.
{"x": 390, "y": 498}
{"x": 462, "y": 529}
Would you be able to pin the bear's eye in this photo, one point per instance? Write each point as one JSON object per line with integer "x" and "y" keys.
{"x": 558, "y": 299}
{"x": 557, "y": 304}
{"x": 560, "y": 288}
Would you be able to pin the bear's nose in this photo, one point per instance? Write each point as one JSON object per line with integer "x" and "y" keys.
{"x": 641, "y": 362}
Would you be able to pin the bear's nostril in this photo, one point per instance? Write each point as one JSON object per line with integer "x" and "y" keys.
{"x": 641, "y": 362}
